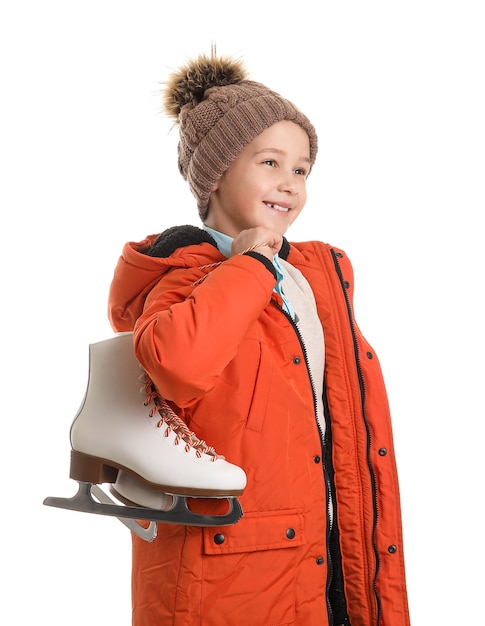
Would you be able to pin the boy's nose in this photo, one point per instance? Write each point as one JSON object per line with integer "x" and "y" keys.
{"x": 287, "y": 183}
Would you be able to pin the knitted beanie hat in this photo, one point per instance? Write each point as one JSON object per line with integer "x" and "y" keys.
{"x": 218, "y": 112}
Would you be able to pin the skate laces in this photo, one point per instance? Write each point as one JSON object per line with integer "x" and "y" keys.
{"x": 211, "y": 266}
{"x": 206, "y": 267}
{"x": 173, "y": 422}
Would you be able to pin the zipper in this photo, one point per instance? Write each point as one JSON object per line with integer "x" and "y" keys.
{"x": 328, "y": 488}
{"x": 336, "y": 256}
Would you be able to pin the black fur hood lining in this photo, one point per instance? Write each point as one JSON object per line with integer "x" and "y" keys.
{"x": 181, "y": 236}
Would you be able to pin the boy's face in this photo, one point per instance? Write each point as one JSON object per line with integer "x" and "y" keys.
{"x": 265, "y": 185}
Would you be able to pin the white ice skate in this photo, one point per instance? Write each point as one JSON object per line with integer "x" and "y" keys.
{"x": 125, "y": 433}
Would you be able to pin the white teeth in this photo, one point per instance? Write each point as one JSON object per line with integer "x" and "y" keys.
{"x": 277, "y": 207}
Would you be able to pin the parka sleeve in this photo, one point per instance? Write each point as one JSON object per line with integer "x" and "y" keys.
{"x": 191, "y": 329}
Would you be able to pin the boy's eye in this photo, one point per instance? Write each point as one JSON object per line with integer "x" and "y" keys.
{"x": 269, "y": 162}
{"x": 300, "y": 171}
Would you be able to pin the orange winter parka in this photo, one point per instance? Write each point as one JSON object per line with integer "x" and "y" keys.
{"x": 213, "y": 336}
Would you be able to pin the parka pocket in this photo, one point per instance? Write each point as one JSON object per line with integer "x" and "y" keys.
{"x": 267, "y": 530}
{"x": 250, "y": 570}
{"x": 261, "y": 390}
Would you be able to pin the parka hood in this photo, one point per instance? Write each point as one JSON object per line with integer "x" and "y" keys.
{"x": 142, "y": 264}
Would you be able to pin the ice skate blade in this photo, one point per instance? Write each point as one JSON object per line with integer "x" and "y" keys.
{"x": 147, "y": 534}
{"x": 179, "y": 513}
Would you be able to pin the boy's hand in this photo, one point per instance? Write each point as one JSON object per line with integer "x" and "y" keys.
{"x": 259, "y": 239}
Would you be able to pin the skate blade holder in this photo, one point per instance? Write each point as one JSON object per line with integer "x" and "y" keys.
{"x": 90, "y": 498}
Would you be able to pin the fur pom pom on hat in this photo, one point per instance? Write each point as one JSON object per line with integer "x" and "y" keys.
{"x": 218, "y": 112}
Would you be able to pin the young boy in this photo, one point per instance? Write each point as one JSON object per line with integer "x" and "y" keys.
{"x": 253, "y": 341}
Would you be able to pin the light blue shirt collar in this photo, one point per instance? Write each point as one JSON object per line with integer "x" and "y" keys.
{"x": 224, "y": 242}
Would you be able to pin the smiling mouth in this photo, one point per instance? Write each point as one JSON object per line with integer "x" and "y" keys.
{"x": 277, "y": 207}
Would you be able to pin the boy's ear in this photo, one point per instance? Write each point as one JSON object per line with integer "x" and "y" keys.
{"x": 215, "y": 186}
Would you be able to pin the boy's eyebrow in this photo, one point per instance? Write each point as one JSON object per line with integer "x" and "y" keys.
{"x": 278, "y": 151}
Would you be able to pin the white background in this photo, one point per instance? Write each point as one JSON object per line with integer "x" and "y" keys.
{"x": 88, "y": 162}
